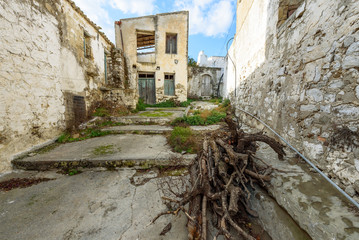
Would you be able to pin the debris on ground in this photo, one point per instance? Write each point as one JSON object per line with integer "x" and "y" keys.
{"x": 221, "y": 178}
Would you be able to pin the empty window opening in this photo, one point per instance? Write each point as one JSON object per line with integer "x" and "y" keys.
{"x": 145, "y": 43}
{"x": 146, "y": 75}
{"x": 169, "y": 84}
{"x": 87, "y": 45}
{"x": 286, "y": 9}
{"x": 171, "y": 43}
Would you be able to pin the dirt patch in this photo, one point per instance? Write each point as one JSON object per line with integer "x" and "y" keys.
{"x": 21, "y": 183}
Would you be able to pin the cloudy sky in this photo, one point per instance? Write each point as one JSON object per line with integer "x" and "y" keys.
{"x": 212, "y": 22}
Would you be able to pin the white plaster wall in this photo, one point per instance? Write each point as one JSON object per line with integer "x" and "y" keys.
{"x": 36, "y": 68}
{"x": 30, "y": 83}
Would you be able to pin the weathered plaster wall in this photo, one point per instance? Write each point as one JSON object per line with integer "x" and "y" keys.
{"x": 161, "y": 24}
{"x": 302, "y": 79}
{"x": 195, "y": 88}
{"x": 214, "y": 61}
{"x": 42, "y": 65}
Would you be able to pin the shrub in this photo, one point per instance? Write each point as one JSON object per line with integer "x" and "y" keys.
{"x": 140, "y": 106}
{"x": 183, "y": 139}
{"x": 186, "y": 103}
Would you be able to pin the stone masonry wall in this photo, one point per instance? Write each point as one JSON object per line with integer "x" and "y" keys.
{"x": 302, "y": 79}
{"x": 44, "y": 71}
{"x": 195, "y": 77}
{"x": 120, "y": 87}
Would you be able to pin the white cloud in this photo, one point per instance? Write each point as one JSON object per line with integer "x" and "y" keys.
{"x": 96, "y": 11}
{"x": 139, "y": 7}
{"x": 208, "y": 17}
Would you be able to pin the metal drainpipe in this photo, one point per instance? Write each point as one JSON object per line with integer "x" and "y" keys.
{"x": 235, "y": 69}
{"x": 305, "y": 159}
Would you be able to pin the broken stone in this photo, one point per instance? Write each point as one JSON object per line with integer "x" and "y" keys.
{"x": 348, "y": 41}
{"x": 315, "y": 95}
{"x": 357, "y": 92}
{"x": 351, "y": 62}
{"x": 336, "y": 84}
{"x": 350, "y": 190}
{"x": 353, "y": 49}
{"x": 356, "y": 186}
{"x": 308, "y": 108}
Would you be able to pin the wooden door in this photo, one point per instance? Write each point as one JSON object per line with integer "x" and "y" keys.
{"x": 147, "y": 87}
{"x": 206, "y": 85}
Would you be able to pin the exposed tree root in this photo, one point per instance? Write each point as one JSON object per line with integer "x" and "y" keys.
{"x": 220, "y": 181}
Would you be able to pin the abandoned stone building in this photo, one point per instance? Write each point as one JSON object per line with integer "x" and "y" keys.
{"x": 295, "y": 66}
{"x": 61, "y": 64}
{"x": 53, "y": 63}
{"x": 206, "y": 79}
{"x": 157, "y": 50}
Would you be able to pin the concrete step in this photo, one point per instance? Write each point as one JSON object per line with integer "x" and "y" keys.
{"x": 154, "y": 129}
{"x": 125, "y": 150}
{"x": 159, "y": 116}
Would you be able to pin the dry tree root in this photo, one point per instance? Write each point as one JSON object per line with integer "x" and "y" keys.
{"x": 221, "y": 177}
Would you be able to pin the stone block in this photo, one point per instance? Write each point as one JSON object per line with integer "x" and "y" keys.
{"x": 357, "y": 91}
{"x": 353, "y": 49}
{"x": 348, "y": 41}
{"x": 315, "y": 95}
{"x": 336, "y": 84}
{"x": 347, "y": 111}
{"x": 313, "y": 150}
{"x": 351, "y": 62}
{"x": 308, "y": 108}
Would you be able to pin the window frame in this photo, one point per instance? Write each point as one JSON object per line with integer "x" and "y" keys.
{"x": 171, "y": 40}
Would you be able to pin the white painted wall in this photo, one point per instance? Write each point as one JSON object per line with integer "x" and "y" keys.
{"x": 36, "y": 68}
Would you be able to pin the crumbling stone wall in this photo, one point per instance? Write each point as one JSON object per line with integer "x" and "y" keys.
{"x": 302, "y": 79}
{"x": 44, "y": 72}
{"x": 121, "y": 85}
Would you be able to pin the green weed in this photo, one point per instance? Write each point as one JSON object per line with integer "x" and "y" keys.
{"x": 101, "y": 112}
{"x": 156, "y": 114}
{"x": 103, "y": 150}
{"x": 183, "y": 139}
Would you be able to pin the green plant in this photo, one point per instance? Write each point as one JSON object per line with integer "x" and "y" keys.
{"x": 156, "y": 114}
{"x": 215, "y": 117}
{"x": 140, "y": 106}
{"x": 72, "y": 172}
{"x": 165, "y": 104}
{"x": 102, "y": 150}
{"x": 191, "y": 62}
{"x": 226, "y": 103}
{"x": 101, "y": 112}
{"x": 63, "y": 138}
{"x": 200, "y": 118}
{"x": 186, "y": 103}
{"x": 183, "y": 139}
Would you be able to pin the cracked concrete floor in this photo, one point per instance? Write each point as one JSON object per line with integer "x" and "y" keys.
{"x": 90, "y": 205}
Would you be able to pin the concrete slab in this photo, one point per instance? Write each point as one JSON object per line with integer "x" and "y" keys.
{"x": 201, "y": 105}
{"x": 155, "y": 128}
{"x": 139, "y": 129}
{"x": 90, "y": 205}
{"x": 153, "y": 115}
{"x": 312, "y": 202}
{"x": 166, "y": 109}
{"x": 129, "y": 150}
